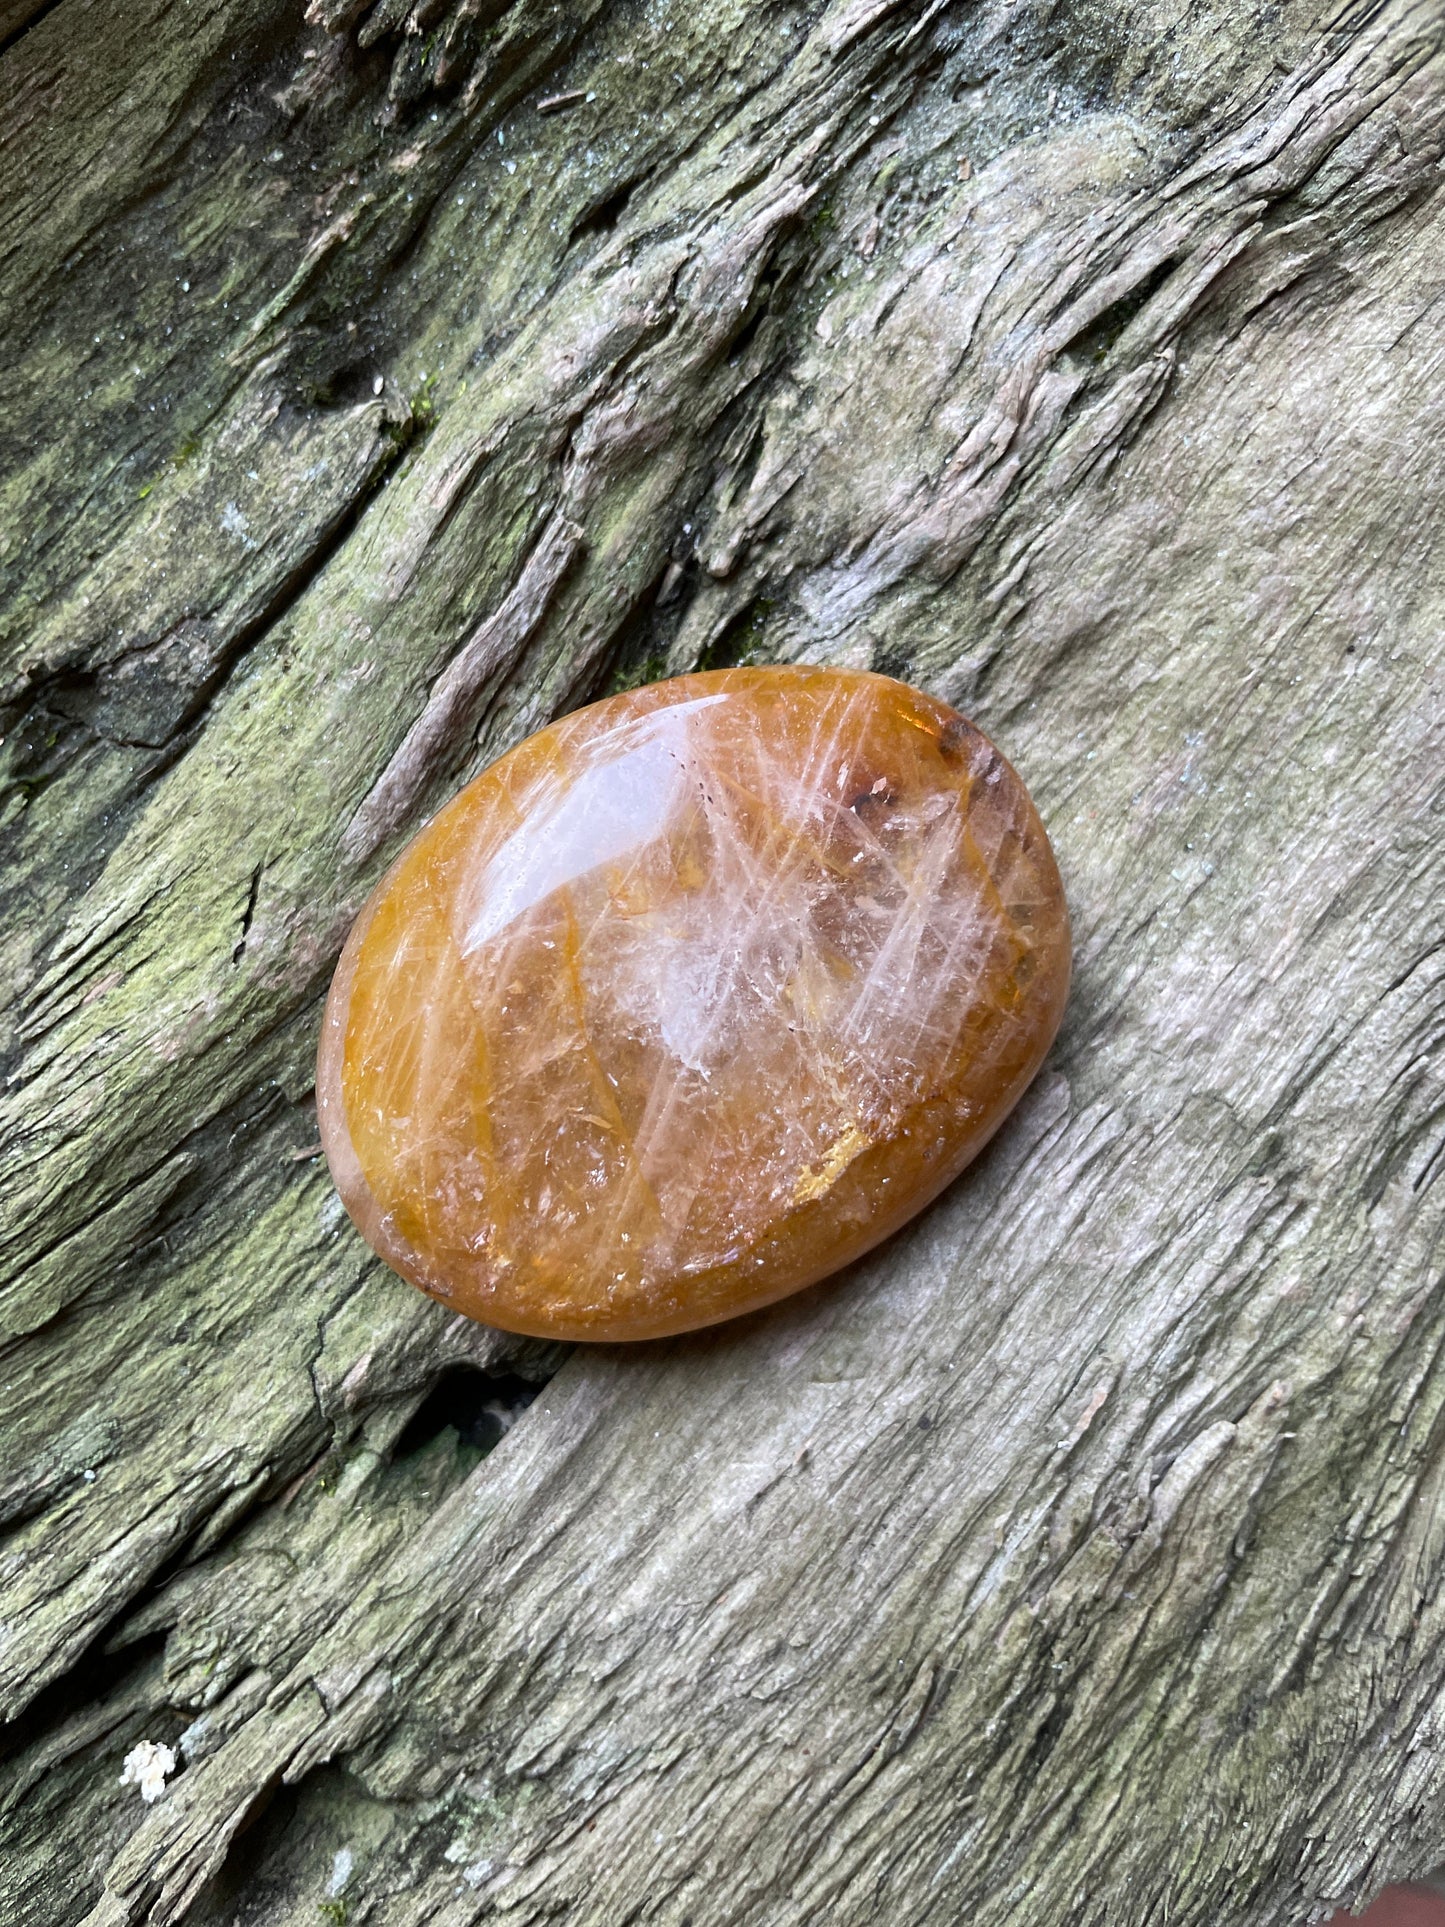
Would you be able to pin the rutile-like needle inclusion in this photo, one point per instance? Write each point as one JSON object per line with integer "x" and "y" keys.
{"x": 689, "y": 999}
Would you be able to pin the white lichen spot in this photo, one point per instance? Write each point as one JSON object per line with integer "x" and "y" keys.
{"x": 148, "y": 1766}
{"x": 341, "y": 1868}
{"x": 234, "y": 522}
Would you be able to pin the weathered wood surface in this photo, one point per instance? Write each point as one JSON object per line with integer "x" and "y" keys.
{"x": 1079, "y": 1557}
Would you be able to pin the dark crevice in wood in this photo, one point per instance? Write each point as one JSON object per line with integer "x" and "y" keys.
{"x": 742, "y": 638}
{"x": 98, "y": 1674}
{"x": 28, "y": 20}
{"x": 248, "y": 913}
{"x": 1099, "y": 338}
{"x": 480, "y": 1407}
{"x": 602, "y": 215}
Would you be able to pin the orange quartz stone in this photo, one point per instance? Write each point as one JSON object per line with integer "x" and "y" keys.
{"x": 689, "y": 999}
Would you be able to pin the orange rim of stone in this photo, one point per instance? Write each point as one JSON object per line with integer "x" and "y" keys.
{"x": 689, "y": 1000}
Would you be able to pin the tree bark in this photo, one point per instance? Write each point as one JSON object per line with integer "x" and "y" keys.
{"x": 382, "y": 382}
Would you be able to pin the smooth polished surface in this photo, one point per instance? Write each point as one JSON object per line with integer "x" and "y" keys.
{"x": 690, "y": 999}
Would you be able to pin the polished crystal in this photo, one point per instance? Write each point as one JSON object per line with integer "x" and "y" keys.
{"x": 690, "y": 999}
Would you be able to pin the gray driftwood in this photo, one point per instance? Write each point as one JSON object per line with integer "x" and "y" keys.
{"x": 381, "y": 382}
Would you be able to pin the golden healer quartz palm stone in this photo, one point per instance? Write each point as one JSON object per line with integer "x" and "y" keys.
{"x": 690, "y": 999}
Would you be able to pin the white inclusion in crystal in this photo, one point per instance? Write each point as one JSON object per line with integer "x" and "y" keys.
{"x": 710, "y": 988}
{"x": 633, "y": 780}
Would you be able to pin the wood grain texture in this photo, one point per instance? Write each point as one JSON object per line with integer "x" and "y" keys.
{"x": 1078, "y": 1557}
